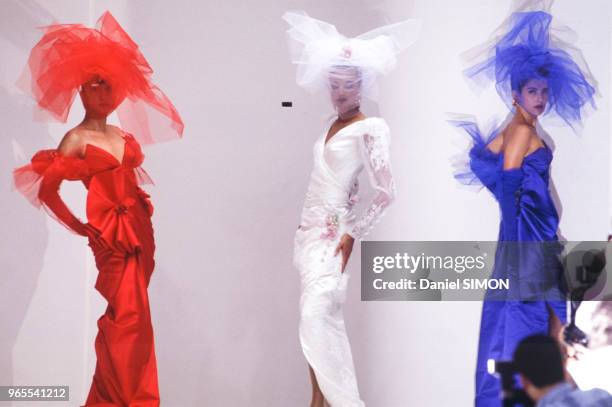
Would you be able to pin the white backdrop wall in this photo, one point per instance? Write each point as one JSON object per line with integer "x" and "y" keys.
{"x": 224, "y": 294}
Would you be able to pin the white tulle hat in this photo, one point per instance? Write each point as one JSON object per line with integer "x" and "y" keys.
{"x": 317, "y": 46}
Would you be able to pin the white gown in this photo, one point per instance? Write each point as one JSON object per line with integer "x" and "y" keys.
{"x": 327, "y": 215}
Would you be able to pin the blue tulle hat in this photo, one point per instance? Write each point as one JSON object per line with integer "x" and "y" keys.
{"x": 527, "y": 50}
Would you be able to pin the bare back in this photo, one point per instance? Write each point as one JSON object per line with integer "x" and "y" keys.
{"x": 516, "y": 141}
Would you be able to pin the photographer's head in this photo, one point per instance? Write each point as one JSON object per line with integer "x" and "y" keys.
{"x": 540, "y": 365}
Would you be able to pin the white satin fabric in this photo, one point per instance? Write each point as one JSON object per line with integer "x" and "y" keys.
{"x": 327, "y": 215}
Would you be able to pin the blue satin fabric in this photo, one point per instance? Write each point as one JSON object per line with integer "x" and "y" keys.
{"x": 528, "y": 215}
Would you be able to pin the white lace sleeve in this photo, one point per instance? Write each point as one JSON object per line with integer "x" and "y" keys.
{"x": 375, "y": 151}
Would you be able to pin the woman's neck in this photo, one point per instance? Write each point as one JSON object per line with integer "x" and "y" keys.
{"x": 94, "y": 123}
{"x": 349, "y": 115}
{"x": 524, "y": 116}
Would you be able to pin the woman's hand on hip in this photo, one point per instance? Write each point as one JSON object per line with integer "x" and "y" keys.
{"x": 345, "y": 247}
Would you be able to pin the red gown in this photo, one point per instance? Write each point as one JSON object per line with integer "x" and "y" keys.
{"x": 121, "y": 237}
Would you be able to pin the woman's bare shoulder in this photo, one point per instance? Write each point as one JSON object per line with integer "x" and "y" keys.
{"x": 73, "y": 141}
{"x": 115, "y": 129}
{"x": 518, "y": 134}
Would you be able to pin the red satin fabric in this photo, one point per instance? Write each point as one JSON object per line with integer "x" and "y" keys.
{"x": 119, "y": 212}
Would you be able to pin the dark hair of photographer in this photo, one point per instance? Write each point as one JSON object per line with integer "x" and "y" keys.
{"x": 538, "y": 358}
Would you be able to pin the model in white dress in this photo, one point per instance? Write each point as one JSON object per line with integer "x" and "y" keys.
{"x": 327, "y": 215}
{"x": 346, "y": 69}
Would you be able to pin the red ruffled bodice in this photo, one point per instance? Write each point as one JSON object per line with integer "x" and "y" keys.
{"x": 117, "y": 208}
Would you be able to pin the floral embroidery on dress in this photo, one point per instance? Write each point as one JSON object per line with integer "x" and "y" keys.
{"x": 331, "y": 226}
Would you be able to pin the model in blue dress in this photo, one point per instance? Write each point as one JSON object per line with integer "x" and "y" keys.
{"x": 513, "y": 163}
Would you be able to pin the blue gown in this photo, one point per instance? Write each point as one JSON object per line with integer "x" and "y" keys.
{"x": 528, "y": 215}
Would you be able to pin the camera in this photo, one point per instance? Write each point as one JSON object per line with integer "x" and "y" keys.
{"x": 511, "y": 394}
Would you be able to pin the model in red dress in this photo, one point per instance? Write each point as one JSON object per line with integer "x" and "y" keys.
{"x": 105, "y": 67}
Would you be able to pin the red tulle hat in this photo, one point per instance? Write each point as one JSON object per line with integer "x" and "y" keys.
{"x": 69, "y": 55}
